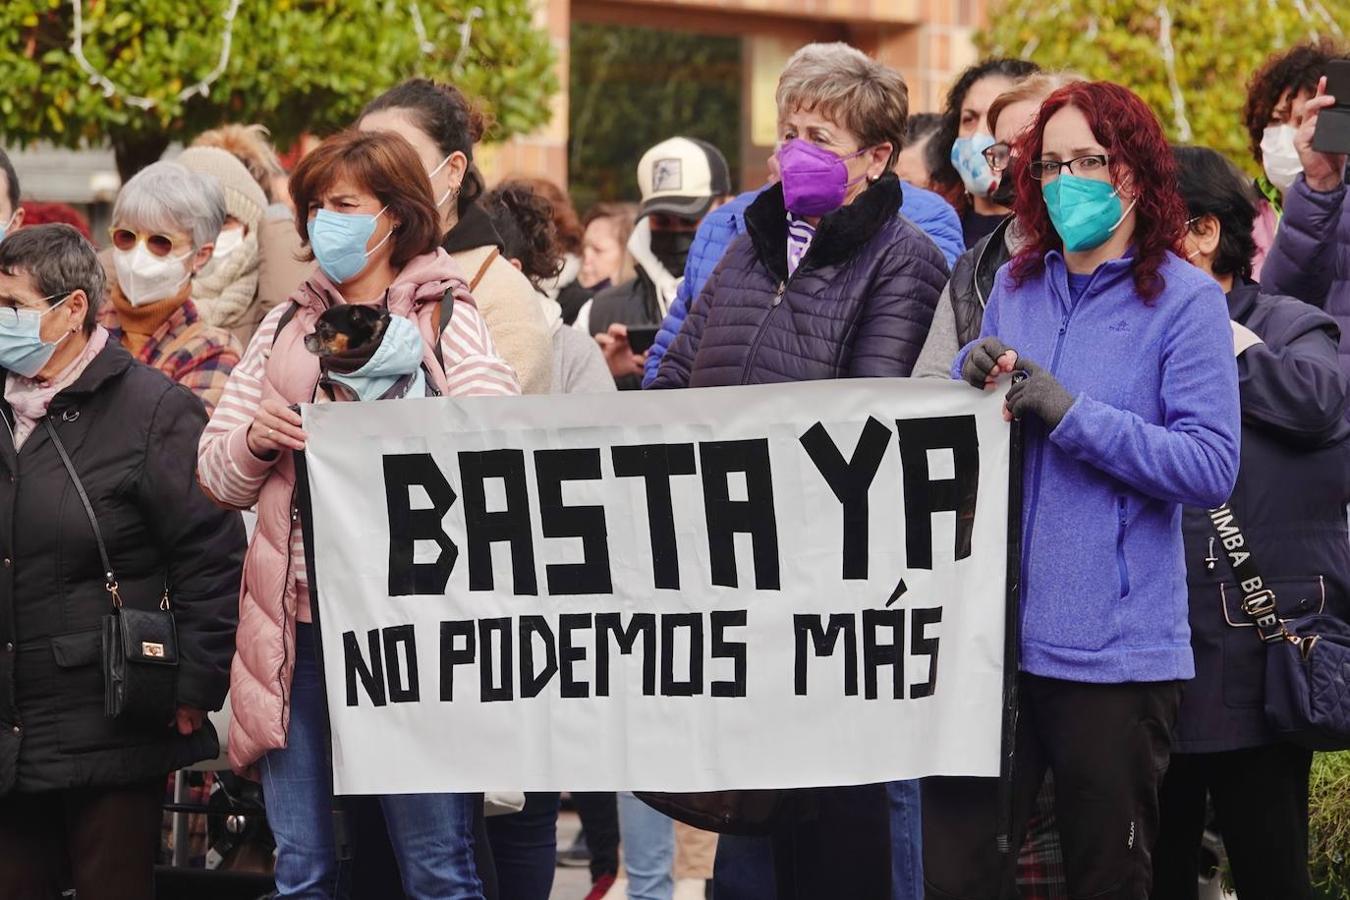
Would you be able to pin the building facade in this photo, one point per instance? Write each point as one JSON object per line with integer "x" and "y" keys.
{"x": 929, "y": 41}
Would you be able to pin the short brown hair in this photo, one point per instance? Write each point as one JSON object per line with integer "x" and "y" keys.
{"x": 565, "y": 218}
{"x": 847, "y": 86}
{"x": 1034, "y": 87}
{"x": 384, "y": 164}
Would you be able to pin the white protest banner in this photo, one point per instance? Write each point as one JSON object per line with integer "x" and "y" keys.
{"x": 752, "y": 587}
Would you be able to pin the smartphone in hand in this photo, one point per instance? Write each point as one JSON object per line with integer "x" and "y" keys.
{"x": 641, "y": 338}
{"x": 1333, "y": 124}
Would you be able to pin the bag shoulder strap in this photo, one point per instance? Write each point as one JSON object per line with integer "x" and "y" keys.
{"x": 110, "y": 580}
{"x": 285, "y": 320}
{"x": 1258, "y": 601}
{"x": 444, "y": 313}
{"x": 482, "y": 270}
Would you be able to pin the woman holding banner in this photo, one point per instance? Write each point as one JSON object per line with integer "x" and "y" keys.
{"x": 1128, "y": 397}
{"x": 827, "y": 282}
{"x": 374, "y": 231}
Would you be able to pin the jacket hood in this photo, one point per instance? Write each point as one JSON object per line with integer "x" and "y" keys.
{"x": 473, "y": 230}
{"x": 839, "y": 234}
{"x": 640, "y": 246}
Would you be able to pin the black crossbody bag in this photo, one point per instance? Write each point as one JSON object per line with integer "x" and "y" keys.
{"x": 1308, "y": 669}
{"x": 140, "y": 647}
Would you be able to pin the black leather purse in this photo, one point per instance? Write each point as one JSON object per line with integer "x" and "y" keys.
{"x": 140, "y": 647}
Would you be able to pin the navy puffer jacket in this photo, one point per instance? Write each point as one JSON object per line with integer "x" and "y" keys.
{"x": 858, "y": 305}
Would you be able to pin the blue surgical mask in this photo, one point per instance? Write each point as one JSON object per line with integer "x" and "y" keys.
{"x": 968, "y": 158}
{"x": 339, "y": 242}
{"x": 1084, "y": 211}
{"x": 4, "y": 229}
{"x": 22, "y": 349}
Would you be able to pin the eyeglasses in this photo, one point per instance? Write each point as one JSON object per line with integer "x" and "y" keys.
{"x": 998, "y": 155}
{"x": 1081, "y": 165}
{"x": 9, "y": 312}
{"x": 158, "y": 244}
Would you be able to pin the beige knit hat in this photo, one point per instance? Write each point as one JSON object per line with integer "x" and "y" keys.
{"x": 243, "y": 198}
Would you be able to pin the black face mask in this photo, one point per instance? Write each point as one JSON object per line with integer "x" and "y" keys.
{"x": 1005, "y": 193}
{"x": 672, "y": 249}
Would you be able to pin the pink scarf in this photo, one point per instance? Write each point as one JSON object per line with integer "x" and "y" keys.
{"x": 29, "y": 398}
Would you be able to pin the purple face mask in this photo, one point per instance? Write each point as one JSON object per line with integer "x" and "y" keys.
{"x": 814, "y": 179}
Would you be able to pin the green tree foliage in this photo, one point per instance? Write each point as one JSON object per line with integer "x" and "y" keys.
{"x": 1218, "y": 45}
{"x": 635, "y": 87}
{"x": 295, "y": 66}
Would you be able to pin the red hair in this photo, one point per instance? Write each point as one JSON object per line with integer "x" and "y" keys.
{"x": 1137, "y": 148}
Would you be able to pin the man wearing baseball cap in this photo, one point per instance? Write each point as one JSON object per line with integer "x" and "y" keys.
{"x": 681, "y": 179}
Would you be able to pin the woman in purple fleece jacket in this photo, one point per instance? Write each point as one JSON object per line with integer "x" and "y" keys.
{"x": 1130, "y": 410}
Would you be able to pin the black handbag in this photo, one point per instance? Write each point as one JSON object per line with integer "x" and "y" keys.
{"x": 1307, "y": 683}
{"x": 140, "y": 647}
{"x": 749, "y": 813}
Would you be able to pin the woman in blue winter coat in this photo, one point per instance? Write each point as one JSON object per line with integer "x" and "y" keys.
{"x": 1290, "y": 500}
{"x": 1129, "y": 406}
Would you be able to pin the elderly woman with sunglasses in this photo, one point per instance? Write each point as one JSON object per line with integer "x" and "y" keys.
{"x": 80, "y": 792}
{"x": 164, "y": 227}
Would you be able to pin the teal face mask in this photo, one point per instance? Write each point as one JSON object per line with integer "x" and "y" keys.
{"x": 1084, "y": 211}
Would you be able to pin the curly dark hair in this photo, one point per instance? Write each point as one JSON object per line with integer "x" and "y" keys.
{"x": 1134, "y": 142}
{"x": 1296, "y": 69}
{"x": 946, "y": 179}
{"x": 524, "y": 219}
{"x": 1212, "y": 186}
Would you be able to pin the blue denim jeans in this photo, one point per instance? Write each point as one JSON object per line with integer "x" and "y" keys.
{"x": 906, "y": 841}
{"x": 432, "y": 834}
{"x": 525, "y": 848}
{"x": 647, "y": 839}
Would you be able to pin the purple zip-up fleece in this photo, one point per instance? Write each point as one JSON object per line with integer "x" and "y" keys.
{"x": 1154, "y": 427}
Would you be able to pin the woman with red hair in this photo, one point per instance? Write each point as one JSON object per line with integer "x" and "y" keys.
{"x": 1128, "y": 398}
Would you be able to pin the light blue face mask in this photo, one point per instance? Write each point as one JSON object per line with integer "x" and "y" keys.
{"x": 968, "y": 158}
{"x": 4, "y": 229}
{"x": 1084, "y": 211}
{"x": 339, "y": 242}
{"x": 399, "y": 355}
{"x": 22, "y": 349}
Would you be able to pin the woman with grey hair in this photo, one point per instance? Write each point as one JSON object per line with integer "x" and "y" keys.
{"x": 164, "y": 228}
{"x": 99, "y": 507}
{"x": 827, "y": 282}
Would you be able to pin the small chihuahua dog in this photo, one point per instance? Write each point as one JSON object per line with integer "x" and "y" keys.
{"x": 345, "y": 327}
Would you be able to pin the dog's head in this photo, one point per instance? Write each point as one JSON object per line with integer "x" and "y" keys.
{"x": 348, "y": 326}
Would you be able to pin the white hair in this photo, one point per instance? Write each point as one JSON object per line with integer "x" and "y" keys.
{"x": 166, "y": 197}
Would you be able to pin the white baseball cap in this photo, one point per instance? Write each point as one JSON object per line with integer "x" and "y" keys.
{"x": 681, "y": 176}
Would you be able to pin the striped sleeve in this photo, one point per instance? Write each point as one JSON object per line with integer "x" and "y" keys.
{"x": 472, "y": 366}
{"x": 226, "y": 467}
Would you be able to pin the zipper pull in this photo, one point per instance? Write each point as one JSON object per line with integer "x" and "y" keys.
{"x": 778, "y": 294}
{"x": 1211, "y": 561}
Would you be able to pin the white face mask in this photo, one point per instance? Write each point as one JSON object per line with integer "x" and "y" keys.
{"x": 227, "y": 242}
{"x": 1279, "y": 157}
{"x": 146, "y": 278}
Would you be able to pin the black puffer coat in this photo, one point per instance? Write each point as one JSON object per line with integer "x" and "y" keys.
{"x": 132, "y": 435}
{"x": 858, "y": 305}
{"x": 1290, "y": 501}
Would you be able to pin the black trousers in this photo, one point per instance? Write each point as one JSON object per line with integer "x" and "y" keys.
{"x": 835, "y": 843}
{"x": 1107, "y": 745}
{"x": 102, "y": 841}
{"x": 599, "y": 814}
{"x": 1261, "y": 806}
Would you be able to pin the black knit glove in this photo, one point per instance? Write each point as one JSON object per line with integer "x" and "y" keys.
{"x": 1039, "y": 393}
{"x": 982, "y": 360}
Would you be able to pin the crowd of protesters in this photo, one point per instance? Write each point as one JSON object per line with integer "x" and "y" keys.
{"x": 1172, "y": 334}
